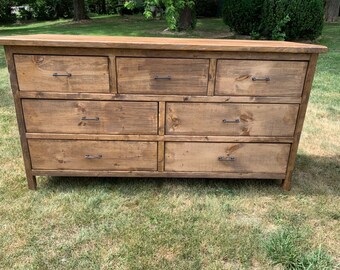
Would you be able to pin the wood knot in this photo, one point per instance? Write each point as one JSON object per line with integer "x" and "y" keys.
{"x": 243, "y": 77}
{"x": 38, "y": 59}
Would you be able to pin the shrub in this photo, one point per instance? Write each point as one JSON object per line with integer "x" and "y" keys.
{"x": 52, "y": 9}
{"x": 5, "y": 12}
{"x": 206, "y": 8}
{"x": 242, "y": 16}
{"x": 296, "y": 18}
{"x": 275, "y": 19}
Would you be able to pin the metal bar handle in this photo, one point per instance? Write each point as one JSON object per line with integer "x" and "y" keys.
{"x": 162, "y": 77}
{"x": 265, "y": 79}
{"x": 90, "y": 119}
{"x": 226, "y": 121}
{"x": 62, "y": 75}
{"x": 93, "y": 156}
{"x": 221, "y": 158}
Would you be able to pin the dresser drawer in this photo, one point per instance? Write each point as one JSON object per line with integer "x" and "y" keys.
{"x": 93, "y": 155}
{"x": 260, "y": 78}
{"x": 161, "y": 76}
{"x": 92, "y": 117}
{"x": 226, "y": 157}
{"x": 62, "y": 73}
{"x": 231, "y": 119}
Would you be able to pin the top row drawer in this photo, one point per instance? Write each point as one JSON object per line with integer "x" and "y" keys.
{"x": 62, "y": 73}
{"x": 159, "y": 76}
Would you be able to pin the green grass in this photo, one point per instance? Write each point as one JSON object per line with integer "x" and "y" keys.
{"x": 138, "y": 223}
{"x": 116, "y": 26}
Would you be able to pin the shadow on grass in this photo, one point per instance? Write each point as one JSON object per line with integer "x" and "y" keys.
{"x": 314, "y": 175}
{"x": 136, "y": 185}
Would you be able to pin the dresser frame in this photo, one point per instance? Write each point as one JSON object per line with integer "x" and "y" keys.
{"x": 148, "y": 49}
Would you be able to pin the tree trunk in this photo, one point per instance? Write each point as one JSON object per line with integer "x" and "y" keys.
{"x": 185, "y": 19}
{"x": 332, "y": 10}
{"x": 79, "y": 10}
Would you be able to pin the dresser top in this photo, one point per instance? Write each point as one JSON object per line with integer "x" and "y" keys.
{"x": 156, "y": 43}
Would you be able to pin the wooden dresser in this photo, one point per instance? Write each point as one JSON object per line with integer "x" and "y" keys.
{"x": 158, "y": 107}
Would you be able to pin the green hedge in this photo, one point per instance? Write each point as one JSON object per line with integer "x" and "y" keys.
{"x": 242, "y": 16}
{"x": 276, "y": 19}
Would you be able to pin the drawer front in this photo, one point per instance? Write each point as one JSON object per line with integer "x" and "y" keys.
{"x": 93, "y": 155}
{"x": 260, "y": 78}
{"x": 231, "y": 119}
{"x": 92, "y": 117}
{"x": 161, "y": 76}
{"x": 62, "y": 73}
{"x": 226, "y": 157}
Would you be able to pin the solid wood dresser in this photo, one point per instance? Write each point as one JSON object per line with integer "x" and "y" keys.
{"x": 158, "y": 107}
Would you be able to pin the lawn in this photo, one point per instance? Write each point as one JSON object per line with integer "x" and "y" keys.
{"x": 83, "y": 223}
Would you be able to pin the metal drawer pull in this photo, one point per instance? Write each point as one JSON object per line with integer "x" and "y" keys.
{"x": 93, "y": 156}
{"x": 226, "y": 121}
{"x": 62, "y": 75}
{"x": 162, "y": 78}
{"x": 90, "y": 119}
{"x": 226, "y": 158}
{"x": 266, "y": 79}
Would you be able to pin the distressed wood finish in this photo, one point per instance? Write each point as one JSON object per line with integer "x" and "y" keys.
{"x": 100, "y": 117}
{"x": 260, "y": 78}
{"x": 231, "y": 119}
{"x": 162, "y": 76}
{"x": 226, "y": 157}
{"x": 62, "y": 73}
{"x": 93, "y": 155}
{"x": 158, "y": 107}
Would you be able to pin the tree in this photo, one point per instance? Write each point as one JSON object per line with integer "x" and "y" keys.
{"x": 79, "y": 11}
{"x": 179, "y": 14}
{"x": 332, "y": 10}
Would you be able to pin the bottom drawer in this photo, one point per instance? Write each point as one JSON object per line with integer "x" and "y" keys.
{"x": 226, "y": 157}
{"x": 93, "y": 155}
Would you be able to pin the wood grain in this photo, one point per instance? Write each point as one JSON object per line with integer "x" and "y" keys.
{"x": 204, "y": 157}
{"x": 231, "y": 119}
{"x": 104, "y": 117}
{"x": 170, "y": 138}
{"x": 212, "y": 77}
{"x": 162, "y": 76}
{"x": 86, "y": 74}
{"x": 176, "y": 98}
{"x": 154, "y": 43}
{"x": 236, "y": 77}
{"x": 107, "y": 155}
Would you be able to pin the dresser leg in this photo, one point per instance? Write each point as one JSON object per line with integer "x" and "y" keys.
{"x": 32, "y": 182}
{"x": 287, "y": 183}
